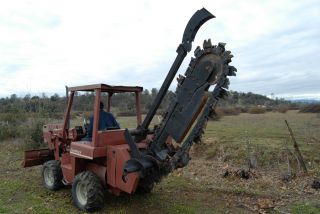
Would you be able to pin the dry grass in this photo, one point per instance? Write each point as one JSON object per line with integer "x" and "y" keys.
{"x": 199, "y": 187}
{"x": 256, "y": 110}
{"x": 314, "y": 108}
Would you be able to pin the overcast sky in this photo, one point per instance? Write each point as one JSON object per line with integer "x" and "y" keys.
{"x": 45, "y": 45}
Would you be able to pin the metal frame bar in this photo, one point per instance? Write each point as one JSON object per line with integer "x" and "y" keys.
{"x": 109, "y": 101}
{"x": 138, "y": 108}
{"x": 96, "y": 117}
{"x": 67, "y": 117}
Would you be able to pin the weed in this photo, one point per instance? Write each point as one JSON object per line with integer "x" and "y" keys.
{"x": 305, "y": 208}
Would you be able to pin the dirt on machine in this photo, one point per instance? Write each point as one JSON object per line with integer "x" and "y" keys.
{"x": 133, "y": 160}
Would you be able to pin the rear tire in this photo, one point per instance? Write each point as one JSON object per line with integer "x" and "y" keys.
{"x": 87, "y": 192}
{"x": 52, "y": 175}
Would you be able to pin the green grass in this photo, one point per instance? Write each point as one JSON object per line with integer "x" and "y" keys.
{"x": 305, "y": 208}
{"x": 22, "y": 190}
{"x": 267, "y": 134}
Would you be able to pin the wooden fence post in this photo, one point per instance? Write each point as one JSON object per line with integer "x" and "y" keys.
{"x": 296, "y": 148}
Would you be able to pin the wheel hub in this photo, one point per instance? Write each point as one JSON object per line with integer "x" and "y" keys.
{"x": 82, "y": 193}
{"x": 48, "y": 177}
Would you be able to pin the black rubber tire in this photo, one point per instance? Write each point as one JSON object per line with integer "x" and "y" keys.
{"x": 145, "y": 186}
{"x": 52, "y": 175}
{"x": 94, "y": 192}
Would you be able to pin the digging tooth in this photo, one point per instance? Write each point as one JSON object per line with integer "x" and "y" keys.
{"x": 226, "y": 83}
{"x": 207, "y": 44}
{"x": 228, "y": 57}
{"x": 225, "y": 70}
{"x": 197, "y": 51}
{"x": 212, "y": 114}
{"x": 223, "y": 93}
{"x": 231, "y": 71}
{"x": 188, "y": 71}
{"x": 198, "y": 138}
{"x": 180, "y": 79}
{"x": 192, "y": 61}
{"x": 221, "y": 46}
{"x": 216, "y": 50}
{"x": 227, "y": 54}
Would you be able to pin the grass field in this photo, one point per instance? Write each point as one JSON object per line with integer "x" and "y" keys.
{"x": 200, "y": 187}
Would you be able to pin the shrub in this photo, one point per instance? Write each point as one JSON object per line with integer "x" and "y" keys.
{"x": 13, "y": 118}
{"x": 282, "y": 109}
{"x": 11, "y": 125}
{"x": 231, "y": 111}
{"x": 36, "y": 131}
{"x": 6, "y": 132}
{"x": 218, "y": 115}
{"x": 313, "y": 108}
{"x": 126, "y": 113}
{"x": 244, "y": 109}
{"x": 256, "y": 110}
{"x": 269, "y": 108}
{"x": 33, "y": 134}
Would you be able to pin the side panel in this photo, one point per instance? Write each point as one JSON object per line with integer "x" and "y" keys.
{"x": 111, "y": 137}
{"x": 85, "y": 150}
{"x": 111, "y": 166}
{"x": 118, "y": 155}
{"x": 71, "y": 166}
{"x": 67, "y": 168}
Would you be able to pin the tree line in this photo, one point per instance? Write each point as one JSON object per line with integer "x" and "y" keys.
{"x": 121, "y": 102}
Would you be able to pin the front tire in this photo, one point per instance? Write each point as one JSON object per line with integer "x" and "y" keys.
{"x": 52, "y": 175}
{"x": 87, "y": 192}
{"x": 145, "y": 185}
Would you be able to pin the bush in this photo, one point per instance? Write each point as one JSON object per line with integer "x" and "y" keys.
{"x": 11, "y": 125}
{"x": 256, "y": 110}
{"x": 6, "y": 132}
{"x": 231, "y": 111}
{"x": 222, "y": 111}
{"x": 313, "y": 108}
{"x": 13, "y": 118}
{"x": 244, "y": 109}
{"x": 33, "y": 136}
{"x": 218, "y": 115}
{"x": 126, "y": 113}
{"x": 269, "y": 108}
{"x": 282, "y": 109}
{"x": 36, "y": 134}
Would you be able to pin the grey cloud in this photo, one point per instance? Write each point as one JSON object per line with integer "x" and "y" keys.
{"x": 282, "y": 62}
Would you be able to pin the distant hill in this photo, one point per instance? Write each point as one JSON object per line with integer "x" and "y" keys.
{"x": 305, "y": 101}
{"x": 242, "y": 99}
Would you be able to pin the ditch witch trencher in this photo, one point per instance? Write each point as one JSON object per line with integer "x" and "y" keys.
{"x": 132, "y": 160}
